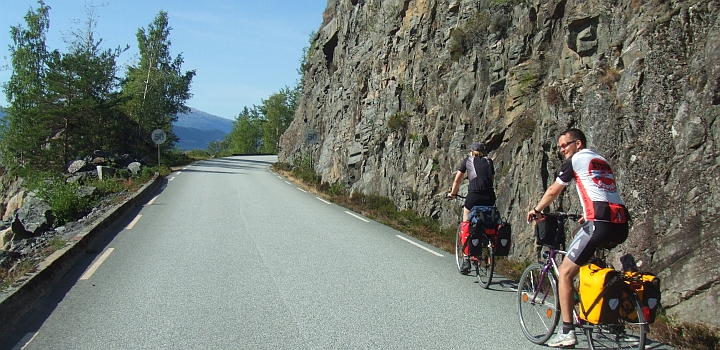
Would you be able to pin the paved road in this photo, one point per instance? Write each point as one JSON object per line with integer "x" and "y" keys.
{"x": 230, "y": 255}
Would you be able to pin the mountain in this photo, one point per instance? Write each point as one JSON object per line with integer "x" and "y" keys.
{"x": 197, "y": 129}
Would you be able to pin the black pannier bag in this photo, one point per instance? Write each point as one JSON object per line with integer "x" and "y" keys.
{"x": 502, "y": 239}
{"x": 550, "y": 232}
{"x": 476, "y": 240}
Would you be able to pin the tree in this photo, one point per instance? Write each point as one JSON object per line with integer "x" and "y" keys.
{"x": 278, "y": 111}
{"x": 83, "y": 88}
{"x": 25, "y": 129}
{"x": 246, "y": 134}
{"x": 155, "y": 88}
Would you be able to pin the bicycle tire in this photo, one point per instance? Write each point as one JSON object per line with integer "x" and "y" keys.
{"x": 485, "y": 264}
{"x": 540, "y": 317}
{"x": 622, "y": 335}
{"x": 459, "y": 254}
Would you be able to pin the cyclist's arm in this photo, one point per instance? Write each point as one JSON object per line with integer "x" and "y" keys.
{"x": 550, "y": 195}
{"x": 456, "y": 183}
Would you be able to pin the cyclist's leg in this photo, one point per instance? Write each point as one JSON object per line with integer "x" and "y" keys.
{"x": 580, "y": 251}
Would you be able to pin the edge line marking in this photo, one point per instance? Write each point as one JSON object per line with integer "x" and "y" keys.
{"x": 131, "y": 224}
{"x": 419, "y": 246}
{"x": 322, "y": 200}
{"x": 356, "y": 216}
{"x": 96, "y": 264}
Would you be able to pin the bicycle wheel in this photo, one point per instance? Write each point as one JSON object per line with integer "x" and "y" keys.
{"x": 485, "y": 264}
{"x": 538, "y": 304}
{"x": 459, "y": 254}
{"x": 623, "y": 335}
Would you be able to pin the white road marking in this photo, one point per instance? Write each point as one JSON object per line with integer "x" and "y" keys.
{"x": 96, "y": 265}
{"x": 322, "y": 200}
{"x": 172, "y": 178}
{"x": 152, "y": 200}
{"x": 179, "y": 172}
{"x": 25, "y": 341}
{"x": 356, "y": 216}
{"x": 132, "y": 224}
{"x": 302, "y": 190}
{"x": 288, "y": 183}
{"x": 419, "y": 246}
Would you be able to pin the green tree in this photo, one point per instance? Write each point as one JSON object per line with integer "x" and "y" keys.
{"x": 246, "y": 134}
{"x": 25, "y": 130}
{"x": 278, "y": 111}
{"x": 83, "y": 88}
{"x": 155, "y": 88}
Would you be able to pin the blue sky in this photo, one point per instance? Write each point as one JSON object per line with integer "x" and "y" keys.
{"x": 242, "y": 50}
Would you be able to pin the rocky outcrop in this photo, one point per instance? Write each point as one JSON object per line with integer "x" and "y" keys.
{"x": 398, "y": 89}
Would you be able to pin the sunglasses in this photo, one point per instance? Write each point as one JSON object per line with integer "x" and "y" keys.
{"x": 565, "y": 144}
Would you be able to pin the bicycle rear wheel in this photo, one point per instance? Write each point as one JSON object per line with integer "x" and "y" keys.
{"x": 485, "y": 263}
{"x": 459, "y": 248}
{"x": 623, "y": 335}
{"x": 538, "y": 304}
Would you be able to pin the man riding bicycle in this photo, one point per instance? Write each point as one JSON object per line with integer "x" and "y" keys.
{"x": 605, "y": 217}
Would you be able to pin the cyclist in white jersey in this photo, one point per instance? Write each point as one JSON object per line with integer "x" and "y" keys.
{"x": 605, "y": 217}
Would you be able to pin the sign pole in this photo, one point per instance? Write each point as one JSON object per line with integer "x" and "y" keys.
{"x": 158, "y": 137}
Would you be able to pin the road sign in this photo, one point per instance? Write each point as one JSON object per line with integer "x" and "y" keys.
{"x": 158, "y": 136}
{"x": 312, "y": 137}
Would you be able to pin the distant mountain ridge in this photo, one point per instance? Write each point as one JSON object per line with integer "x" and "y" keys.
{"x": 196, "y": 129}
{"x": 198, "y": 119}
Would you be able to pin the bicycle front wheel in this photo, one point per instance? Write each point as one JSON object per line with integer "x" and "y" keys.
{"x": 485, "y": 263}
{"x": 538, "y": 304}
{"x": 459, "y": 248}
{"x": 628, "y": 333}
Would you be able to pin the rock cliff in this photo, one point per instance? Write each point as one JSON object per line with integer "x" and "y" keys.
{"x": 398, "y": 89}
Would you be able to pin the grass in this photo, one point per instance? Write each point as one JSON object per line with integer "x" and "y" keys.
{"x": 685, "y": 335}
{"x": 682, "y": 335}
{"x": 15, "y": 273}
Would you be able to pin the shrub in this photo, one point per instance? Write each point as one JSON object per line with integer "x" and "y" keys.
{"x": 123, "y": 173}
{"x": 611, "y": 76}
{"x": 398, "y": 121}
{"x": 465, "y": 37}
{"x": 553, "y": 96}
{"x": 525, "y": 128}
{"x": 337, "y": 189}
{"x": 63, "y": 199}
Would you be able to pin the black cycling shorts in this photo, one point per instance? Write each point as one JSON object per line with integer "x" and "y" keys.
{"x": 479, "y": 198}
{"x": 593, "y": 234}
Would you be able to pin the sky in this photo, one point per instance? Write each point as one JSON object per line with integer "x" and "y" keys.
{"x": 242, "y": 51}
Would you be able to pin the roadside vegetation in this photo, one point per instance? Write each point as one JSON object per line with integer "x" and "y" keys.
{"x": 682, "y": 335}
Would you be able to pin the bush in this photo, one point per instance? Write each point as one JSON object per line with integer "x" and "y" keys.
{"x": 473, "y": 32}
{"x": 398, "y": 121}
{"x": 64, "y": 201}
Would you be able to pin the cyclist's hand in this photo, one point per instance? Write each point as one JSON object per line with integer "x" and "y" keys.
{"x": 451, "y": 196}
{"x": 532, "y": 216}
{"x": 581, "y": 220}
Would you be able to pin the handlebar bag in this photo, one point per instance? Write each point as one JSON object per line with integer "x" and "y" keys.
{"x": 600, "y": 292}
{"x": 550, "y": 232}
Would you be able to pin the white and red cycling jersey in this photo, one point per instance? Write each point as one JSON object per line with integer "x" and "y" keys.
{"x": 596, "y": 186}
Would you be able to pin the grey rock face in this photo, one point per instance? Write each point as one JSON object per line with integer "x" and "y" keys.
{"x": 399, "y": 89}
{"x": 32, "y": 219}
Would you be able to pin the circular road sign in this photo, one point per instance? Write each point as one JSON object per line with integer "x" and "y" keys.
{"x": 311, "y": 137}
{"x": 158, "y": 136}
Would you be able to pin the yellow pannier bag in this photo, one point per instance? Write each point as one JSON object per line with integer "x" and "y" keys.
{"x": 600, "y": 294}
{"x": 647, "y": 287}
